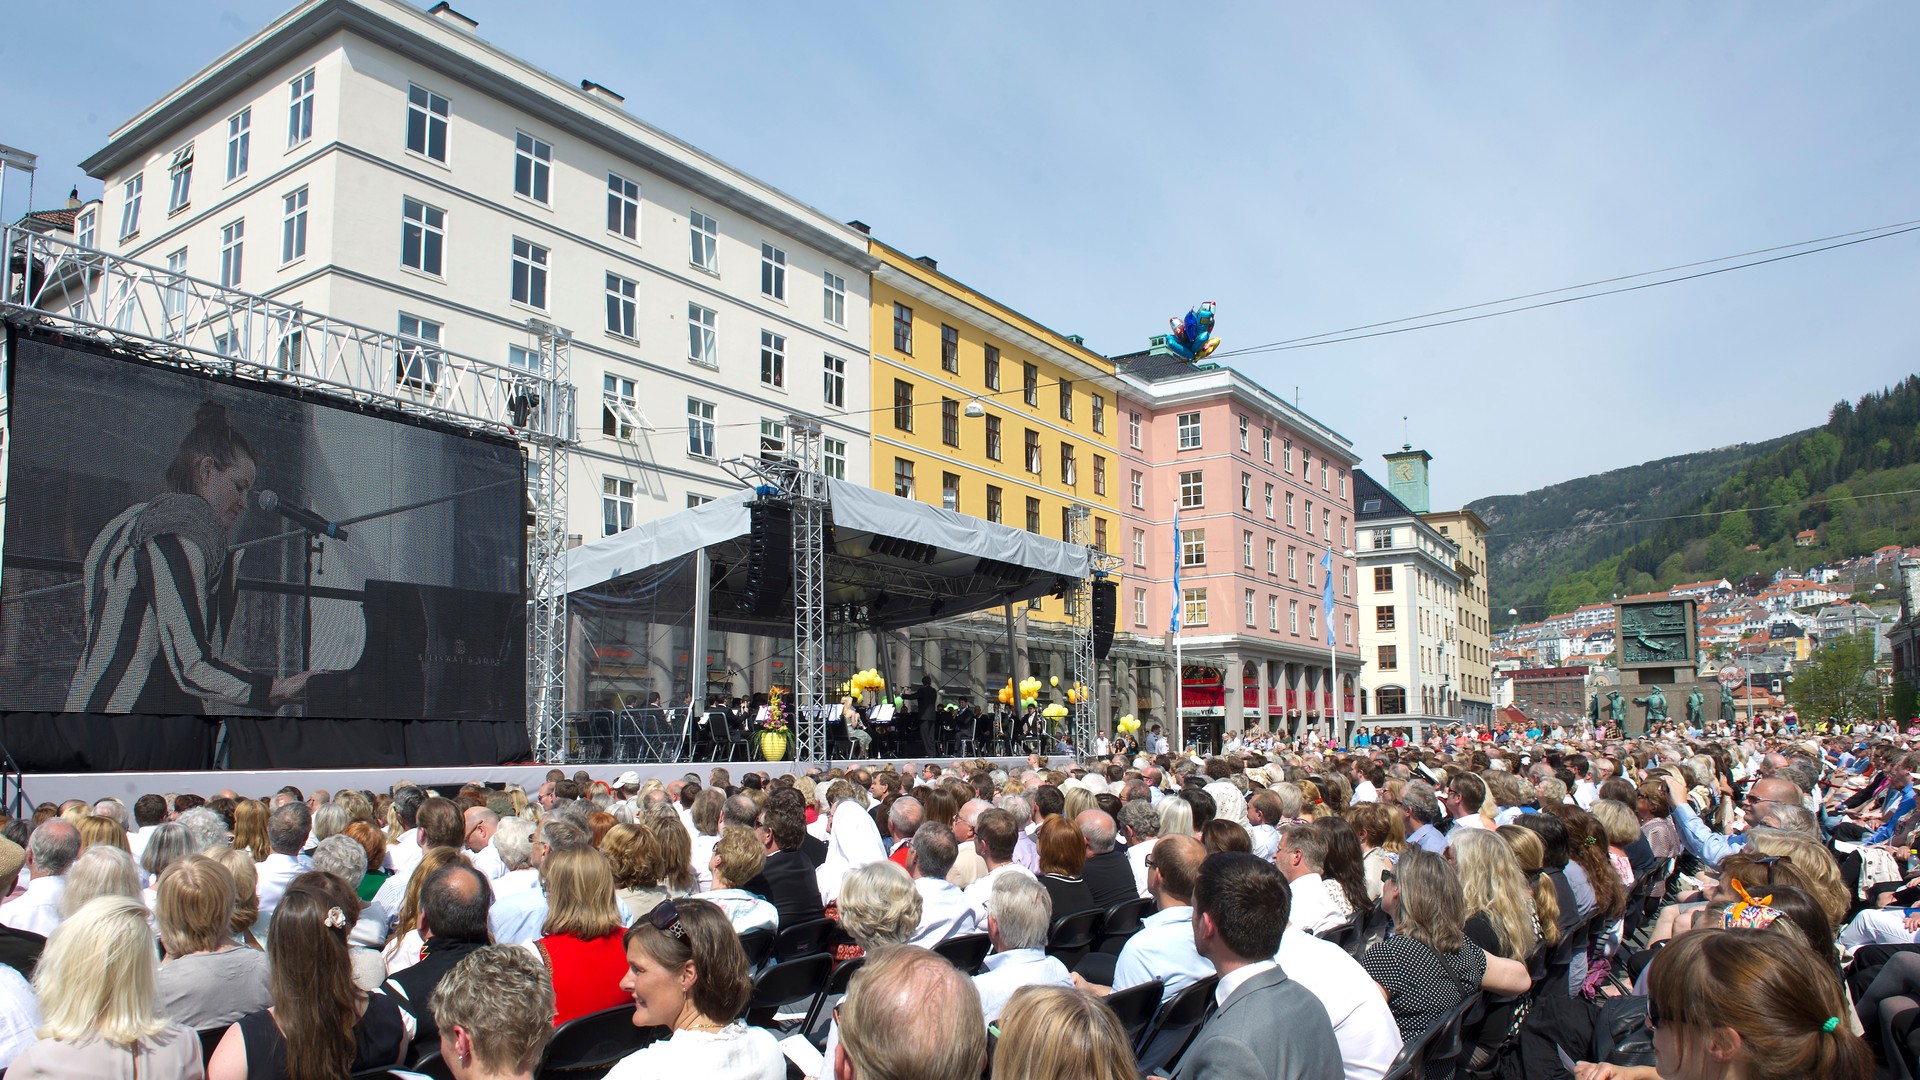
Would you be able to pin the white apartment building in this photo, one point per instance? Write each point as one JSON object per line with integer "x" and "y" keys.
{"x": 388, "y": 167}
{"x": 1409, "y": 603}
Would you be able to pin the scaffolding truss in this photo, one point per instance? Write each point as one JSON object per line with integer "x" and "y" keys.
{"x": 1083, "y": 722}
{"x": 211, "y": 329}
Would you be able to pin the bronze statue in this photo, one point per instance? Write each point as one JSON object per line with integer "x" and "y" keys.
{"x": 1616, "y": 707}
{"x": 1695, "y": 701}
{"x": 1593, "y": 708}
{"x": 1726, "y": 705}
{"x": 1656, "y": 703}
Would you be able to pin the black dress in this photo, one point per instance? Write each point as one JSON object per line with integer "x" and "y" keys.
{"x": 377, "y": 1040}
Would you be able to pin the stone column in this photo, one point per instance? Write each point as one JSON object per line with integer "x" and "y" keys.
{"x": 1266, "y": 685}
{"x": 1234, "y": 678}
{"x": 983, "y": 695}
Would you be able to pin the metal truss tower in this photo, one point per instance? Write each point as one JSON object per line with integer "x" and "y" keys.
{"x": 1083, "y": 724}
{"x": 547, "y": 557}
{"x": 808, "y": 487}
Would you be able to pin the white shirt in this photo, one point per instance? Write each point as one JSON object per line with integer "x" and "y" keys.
{"x": 405, "y": 853}
{"x": 1233, "y": 980}
{"x": 1312, "y": 908}
{"x": 514, "y": 881}
{"x": 703, "y": 846}
{"x": 1162, "y": 949}
{"x": 1364, "y": 791}
{"x": 1362, "y": 1023}
{"x": 487, "y": 860}
{"x": 276, "y": 872}
{"x": 735, "y": 1052}
{"x": 944, "y": 912}
{"x": 37, "y": 911}
{"x": 1009, "y": 971}
{"x": 1584, "y": 792}
{"x": 976, "y": 894}
{"x": 1137, "y": 857}
{"x": 19, "y": 1015}
{"x": 393, "y": 891}
{"x": 1471, "y": 821}
{"x": 1266, "y": 840}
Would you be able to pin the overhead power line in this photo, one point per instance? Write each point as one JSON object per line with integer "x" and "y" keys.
{"x": 1590, "y": 526}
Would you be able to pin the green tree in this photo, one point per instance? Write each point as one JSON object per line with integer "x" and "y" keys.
{"x": 1838, "y": 681}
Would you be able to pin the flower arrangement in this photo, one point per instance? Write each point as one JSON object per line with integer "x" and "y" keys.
{"x": 776, "y": 710}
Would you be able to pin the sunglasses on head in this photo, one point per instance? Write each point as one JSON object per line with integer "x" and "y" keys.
{"x": 666, "y": 918}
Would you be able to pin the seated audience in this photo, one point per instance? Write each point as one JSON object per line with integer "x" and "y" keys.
{"x": 205, "y": 980}
{"x": 1058, "y": 1033}
{"x": 909, "y": 1013}
{"x": 687, "y": 973}
{"x": 737, "y": 858}
{"x": 580, "y": 941}
{"x": 453, "y": 925}
{"x": 1019, "y": 915}
{"x": 490, "y": 1009}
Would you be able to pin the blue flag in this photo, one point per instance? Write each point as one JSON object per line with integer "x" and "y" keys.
{"x": 1173, "y": 624}
{"x": 1326, "y": 593}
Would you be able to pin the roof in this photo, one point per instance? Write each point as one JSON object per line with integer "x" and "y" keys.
{"x": 59, "y": 219}
{"x": 1367, "y": 491}
{"x": 1157, "y": 366}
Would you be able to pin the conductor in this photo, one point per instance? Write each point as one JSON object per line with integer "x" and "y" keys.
{"x": 926, "y": 705}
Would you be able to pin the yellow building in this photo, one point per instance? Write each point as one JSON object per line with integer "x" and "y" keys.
{"x": 1474, "y": 625}
{"x": 982, "y": 410}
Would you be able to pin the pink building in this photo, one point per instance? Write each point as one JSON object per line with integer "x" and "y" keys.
{"x": 1261, "y": 492}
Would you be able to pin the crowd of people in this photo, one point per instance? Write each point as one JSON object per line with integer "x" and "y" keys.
{"x": 1591, "y": 907}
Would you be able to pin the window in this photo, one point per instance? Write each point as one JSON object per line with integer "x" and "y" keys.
{"x": 1099, "y": 475}
{"x": 180, "y": 179}
{"x": 1293, "y": 616}
{"x": 1139, "y": 547}
{"x": 991, "y": 371}
{"x": 1069, "y": 475}
{"x": 949, "y": 349}
{"x": 833, "y": 302}
{"x": 1100, "y": 534}
{"x": 1249, "y": 607}
{"x": 903, "y": 329}
{"x": 1387, "y": 658}
{"x": 1243, "y": 434}
{"x": 130, "y": 208}
{"x": 1383, "y": 618}
{"x": 623, "y": 206}
{"x": 529, "y": 273}
{"x": 1326, "y": 524}
{"x": 950, "y": 491}
{"x": 1293, "y": 563}
{"x": 699, "y": 428}
{"x": 1193, "y": 492}
{"x": 621, "y": 299}
{"x": 1269, "y": 502}
{"x": 1286, "y": 455}
{"x": 616, "y": 505}
{"x": 950, "y": 421}
{"x": 1246, "y": 550}
{"x": 1266, "y": 444}
{"x": 773, "y": 359}
{"x": 1133, "y": 429}
{"x": 773, "y": 438}
{"x": 703, "y": 242}
{"x": 1306, "y": 521}
{"x": 1323, "y": 476}
{"x": 1189, "y": 430}
{"x": 239, "y": 138}
{"x": 1193, "y": 607}
{"x": 521, "y": 358}
{"x": 1034, "y": 464}
{"x": 834, "y": 379}
{"x": 423, "y": 237}
{"x": 1246, "y": 491}
{"x": 1346, "y": 581}
{"x": 1346, "y": 621}
{"x": 1098, "y": 406}
{"x": 288, "y": 351}
{"x": 1137, "y": 489}
{"x": 773, "y": 272}
{"x": 85, "y": 227}
{"x": 300, "y": 109}
{"x": 1030, "y": 384}
{"x": 1273, "y": 557}
{"x": 232, "y": 246}
{"x": 1346, "y": 540}
{"x": 1273, "y": 613}
{"x": 902, "y": 405}
{"x": 993, "y": 439}
{"x": 1066, "y": 399}
{"x": 419, "y": 353}
{"x": 173, "y": 302}
{"x": 1193, "y": 547}
{"x": 1382, "y": 538}
{"x": 694, "y": 499}
{"x": 1289, "y": 510}
{"x": 1383, "y": 579}
{"x": 532, "y": 167}
{"x": 701, "y": 345}
{"x": 1139, "y": 607}
{"x": 1390, "y": 700}
{"x": 427, "y": 123}
{"x": 293, "y": 226}
{"x": 994, "y": 508}
{"x": 1033, "y": 514}
{"x": 833, "y": 458}
{"x": 618, "y": 402}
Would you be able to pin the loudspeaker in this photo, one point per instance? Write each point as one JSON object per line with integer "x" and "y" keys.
{"x": 1106, "y": 599}
{"x": 769, "y": 584}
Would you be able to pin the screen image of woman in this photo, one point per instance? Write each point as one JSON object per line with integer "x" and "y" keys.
{"x": 160, "y": 586}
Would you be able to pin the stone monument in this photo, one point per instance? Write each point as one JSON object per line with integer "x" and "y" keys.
{"x": 1656, "y": 647}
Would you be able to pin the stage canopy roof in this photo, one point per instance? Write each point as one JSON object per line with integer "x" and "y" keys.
{"x": 891, "y": 562}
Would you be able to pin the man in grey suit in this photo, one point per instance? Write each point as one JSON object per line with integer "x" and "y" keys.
{"x": 1267, "y": 1026}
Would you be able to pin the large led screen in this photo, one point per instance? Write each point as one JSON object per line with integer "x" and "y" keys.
{"x": 178, "y": 545}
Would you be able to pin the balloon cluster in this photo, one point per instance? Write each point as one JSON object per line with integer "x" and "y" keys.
{"x": 1055, "y": 711}
{"x": 1192, "y": 337}
{"x": 1127, "y": 725}
{"x": 1078, "y": 694}
{"x": 863, "y": 681}
{"x": 1028, "y": 691}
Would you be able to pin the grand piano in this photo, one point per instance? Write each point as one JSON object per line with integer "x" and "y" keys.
{"x": 431, "y": 653}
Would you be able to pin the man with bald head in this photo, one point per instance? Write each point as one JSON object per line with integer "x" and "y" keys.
{"x": 1711, "y": 847}
{"x": 1107, "y": 873}
{"x": 908, "y": 1012}
{"x": 452, "y": 924}
{"x": 1163, "y": 948}
{"x": 968, "y": 866}
{"x": 481, "y": 824}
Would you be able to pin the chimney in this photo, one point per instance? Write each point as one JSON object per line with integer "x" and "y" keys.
{"x": 73, "y": 199}
{"x": 1909, "y": 588}
{"x": 926, "y": 261}
{"x": 1078, "y": 339}
{"x": 445, "y": 13}
{"x": 860, "y": 227}
{"x": 604, "y": 94}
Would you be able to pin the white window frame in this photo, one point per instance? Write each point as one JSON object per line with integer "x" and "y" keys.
{"x": 700, "y": 429}
{"x": 833, "y": 458}
{"x": 1193, "y": 607}
{"x": 1293, "y": 563}
{"x": 1189, "y": 427}
{"x": 131, "y": 193}
{"x": 419, "y": 359}
{"x": 173, "y": 300}
{"x": 623, "y": 306}
{"x": 1193, "y": 489}
{"x": 1137, "y": 488}
{"x": 1139, "y": 607}
{"x": 1246, "y": 548}
{"x": 833, "y": 372}
{"x": 434, "y": 113}
{"x": 1139, "y": 547}
{"x": 1245, "y": 427}
{"x": 430, "y": 224}
{"x": 1133, "y": 428}
{"x": 1250, "y": 599}
{"x": 531, "y": 263}
{"x": 616, "y": 505}
{"x": 703, "y": 242}
{"x": 86, "y": 227}
{"x": 300, "y": 108}
{"x": 293, "y": 225}
{"x": 703, "y": 339}
{"x": 180, "y": 180}
{"x": 239, "y": 143}
{"x": 619, "y": 406}
{"x": 533, "y": 168}
{"x": 623, "y": 207}
{"x": 773, "y": 360}
{"x": 773, "y": 272}
{"x": 1293, "y": 617}
{"x": 833, "y": 298}
{"x": 1268, "y": 496}
{"x": 233, "y": 249}
{"x": 1266, "y": 446}
{"x": 1193, "y": 548}
{"x": 1273, "y": 613}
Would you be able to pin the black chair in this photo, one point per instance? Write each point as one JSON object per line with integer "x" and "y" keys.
{"x": 1439, "y": 1052}
{"x": 1121, "y": 922}
{"x": 788, "y": 983}
{"x": 836, "y": 986}
{"x": 1560, "y": 961}
{"x": 965, "y": 951}
{"x": 802, "y": 939}
{"x": 1163, "y": 1042}
{"x": 1072, "y": 935}
{"x": 1349, "y": 935}
{"x": 758, "y": 945}
{"x": 430, "y": 1064}
{"x": 1135, "y": 1006}
{"x": 590, "y": 1044}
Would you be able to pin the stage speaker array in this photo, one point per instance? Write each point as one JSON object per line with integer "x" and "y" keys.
{"x": 769, "y": 585}
{"x": 1106, "y": 598}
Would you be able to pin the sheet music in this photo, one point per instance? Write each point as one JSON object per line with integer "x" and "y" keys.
{"x": 760, "y": 718}
{"x": 882, "y": 714}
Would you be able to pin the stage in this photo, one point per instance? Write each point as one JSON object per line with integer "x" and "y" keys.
{"x": 128, "y": 786}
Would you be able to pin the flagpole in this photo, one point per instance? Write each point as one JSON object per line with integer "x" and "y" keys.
{"x": 1179, "y": 669}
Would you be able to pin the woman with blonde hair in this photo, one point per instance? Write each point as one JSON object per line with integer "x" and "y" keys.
{"x": 1078, "y": 800}
{"x": 737, "y": 859}
{"x": 96, "y": 984}
{"x": 491, "y": 1010}
{"x": 1381, "y": 835}
{"x": 205, "y": 979}
{"x": 101, "y": 870}
{"x": 250, "y": 829}
{"x": 95, "y": 829}
{"x": 672, "y": 868}
{"x": 1530, "y": 856}
{"x": 1176, "y": 817}
{"x": 879, "y": 905}
{"x": 1059, "y": 1033}
{"x": 1500, "y": 915}
{"x": 1813, "y": 864}
{"x": 580, "y": 941}
{"x": 631, "y": 853}
{"x": 246, "y": 894}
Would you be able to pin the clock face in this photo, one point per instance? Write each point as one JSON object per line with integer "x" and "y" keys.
{"x": 1403, "y": 471}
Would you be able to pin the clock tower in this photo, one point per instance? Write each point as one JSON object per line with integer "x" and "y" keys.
{"x": 1407, "y": 478}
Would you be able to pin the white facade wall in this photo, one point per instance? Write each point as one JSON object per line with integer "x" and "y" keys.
{"x": 358, "y": 170}
{"x": 1425, "y": 598}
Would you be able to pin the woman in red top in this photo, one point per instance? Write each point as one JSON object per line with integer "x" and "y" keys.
{"x": 582, "y": 945}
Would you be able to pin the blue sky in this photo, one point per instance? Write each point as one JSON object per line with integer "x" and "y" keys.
{"x": 1101, "y": 166}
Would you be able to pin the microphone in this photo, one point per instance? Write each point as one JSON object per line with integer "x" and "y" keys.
{"x": 299, "y": 515}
